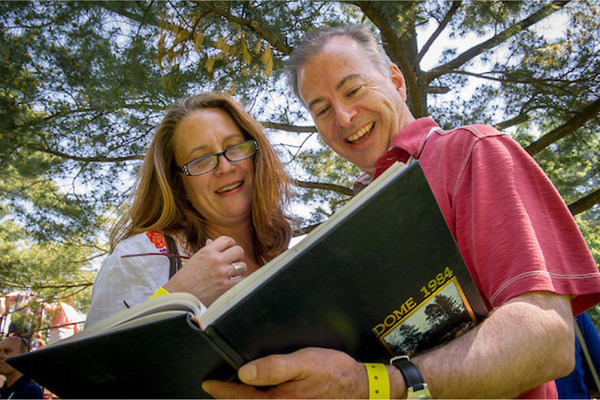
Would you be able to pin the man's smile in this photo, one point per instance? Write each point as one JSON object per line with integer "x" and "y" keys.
{"x": 361, "y": 135}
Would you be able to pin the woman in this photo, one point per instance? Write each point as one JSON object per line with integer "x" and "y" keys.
{"x": 213, "y": 187}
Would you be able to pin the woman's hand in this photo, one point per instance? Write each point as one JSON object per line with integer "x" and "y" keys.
{"x": 207, "y": 273}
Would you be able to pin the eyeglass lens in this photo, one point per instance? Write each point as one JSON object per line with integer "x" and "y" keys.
{"x": 234, "y": 153}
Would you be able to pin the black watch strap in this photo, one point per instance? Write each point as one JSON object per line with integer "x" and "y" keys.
{"x": 415, "y": 384}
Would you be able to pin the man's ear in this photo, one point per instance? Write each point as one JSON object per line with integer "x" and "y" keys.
{"x": 398, "y": 80}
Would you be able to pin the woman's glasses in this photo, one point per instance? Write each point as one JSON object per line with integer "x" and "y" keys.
{"x": 14, "y": 335}
{"x": 207, "y": 163}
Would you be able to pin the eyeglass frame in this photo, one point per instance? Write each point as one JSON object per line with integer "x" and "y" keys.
{"x": 14, "y": 335}
{"x": 184, "y": 169}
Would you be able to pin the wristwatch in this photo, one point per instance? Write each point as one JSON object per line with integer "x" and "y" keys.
{"x": 415, "y": 384}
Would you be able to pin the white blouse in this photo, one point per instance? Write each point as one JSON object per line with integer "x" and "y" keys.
{"x": 123, "y": 282}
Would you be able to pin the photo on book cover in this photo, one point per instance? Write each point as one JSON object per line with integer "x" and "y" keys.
{"x": 443, "y": 316}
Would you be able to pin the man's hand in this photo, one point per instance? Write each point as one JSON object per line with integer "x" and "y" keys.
{"x": 522, "y": 344}
{"x": 306, "y": 373}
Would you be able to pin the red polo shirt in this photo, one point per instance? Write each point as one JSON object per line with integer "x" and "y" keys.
{"x": 513, "y": 229}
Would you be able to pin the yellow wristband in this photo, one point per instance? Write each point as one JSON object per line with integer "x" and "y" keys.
{"x": 159, "y": 292}
{"x": 379, "y": 381}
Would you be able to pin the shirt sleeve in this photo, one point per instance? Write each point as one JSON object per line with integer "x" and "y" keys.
{"x": 125, "y": 282}
{"x": 518, "y": 232}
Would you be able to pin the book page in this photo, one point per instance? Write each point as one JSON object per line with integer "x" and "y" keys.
{"x": 154, "y": 309}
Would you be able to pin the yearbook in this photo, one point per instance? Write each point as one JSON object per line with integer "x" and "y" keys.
{"x": 381, "y": 277}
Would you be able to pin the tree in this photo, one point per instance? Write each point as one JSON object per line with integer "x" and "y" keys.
{"x": 83, "y": 84}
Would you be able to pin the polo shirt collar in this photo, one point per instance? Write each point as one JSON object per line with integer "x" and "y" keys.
{"x": 412, "y": 138}
{"x": 407, "y": 144}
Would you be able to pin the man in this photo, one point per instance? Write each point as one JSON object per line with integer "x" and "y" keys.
{"x": 16, "y": 386}
{"x": 515, "y": 233}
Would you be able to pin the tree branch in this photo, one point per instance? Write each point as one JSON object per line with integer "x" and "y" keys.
{"x": 585, "y": 203}
{"x": 253, "y": 25}
{"x": 33, "y": 287}
{"x": 567, "y": 128}
{"x": 305, "y": 229}
{"x": 400, "y": 49}
{"x": 324, "y": 186}
{"x": 447, "y": 18}
{"x": 122, "y": 8}
{"x": 95, "y": 158}
{"x": 519, "y": 119}
{"x": 494, "y": 41}
{"x": 509, "y": 78}
{"x": 288, "y": 128}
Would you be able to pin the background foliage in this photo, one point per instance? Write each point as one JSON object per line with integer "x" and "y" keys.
{"x": 83, "y": 84}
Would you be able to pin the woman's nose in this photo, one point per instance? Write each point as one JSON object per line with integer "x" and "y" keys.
{"x": 224, "y": 166}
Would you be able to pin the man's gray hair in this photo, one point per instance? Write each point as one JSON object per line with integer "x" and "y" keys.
{"x": 313, "y": 43}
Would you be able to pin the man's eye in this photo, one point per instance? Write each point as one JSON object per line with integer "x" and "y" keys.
{"x": 322, "y": 111}
{"x": 354, "y": 91}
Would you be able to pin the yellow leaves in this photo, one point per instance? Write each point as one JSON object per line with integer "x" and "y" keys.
{"x": 267, "y": 60}
{"x": 183, "y": 39}
{"x": 198, "y": 39}
{"x": 258, "y": 46}
{"x": 171, "y": 56}
{"x": 247, "y": 57}
{"x": 221, "y": 44}
{"x": 170, "y": 81}
{"x": 210, "y": 65}
{"x": 182, "y": 35}
{"x": 161, "y": 50}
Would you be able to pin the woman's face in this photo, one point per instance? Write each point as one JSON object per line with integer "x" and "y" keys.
{"x": 224, "y": 195}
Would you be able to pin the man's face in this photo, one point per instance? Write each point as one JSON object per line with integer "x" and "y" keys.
{"x": 9, "y": 347}
{"x": 356, "y": 108}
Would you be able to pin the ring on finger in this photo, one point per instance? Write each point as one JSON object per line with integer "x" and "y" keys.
{"x": 238, "y": 269}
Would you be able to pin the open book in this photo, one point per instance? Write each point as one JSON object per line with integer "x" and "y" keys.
{"x": 381, "y": 277}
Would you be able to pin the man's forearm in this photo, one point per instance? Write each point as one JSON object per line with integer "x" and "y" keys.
{"x": 522, "y": 344}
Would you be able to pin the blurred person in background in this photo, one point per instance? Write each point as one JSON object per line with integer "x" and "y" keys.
{"x": 16, "y": 385}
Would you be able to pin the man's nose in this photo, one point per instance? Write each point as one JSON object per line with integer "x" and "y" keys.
{"x": 345, "y": 114}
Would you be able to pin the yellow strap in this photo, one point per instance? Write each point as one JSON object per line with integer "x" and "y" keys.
{"x": 159, "y": 292}
{"x": 379, "y": 381}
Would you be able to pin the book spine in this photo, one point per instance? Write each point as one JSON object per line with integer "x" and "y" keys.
{"x": 228, "y": 353}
